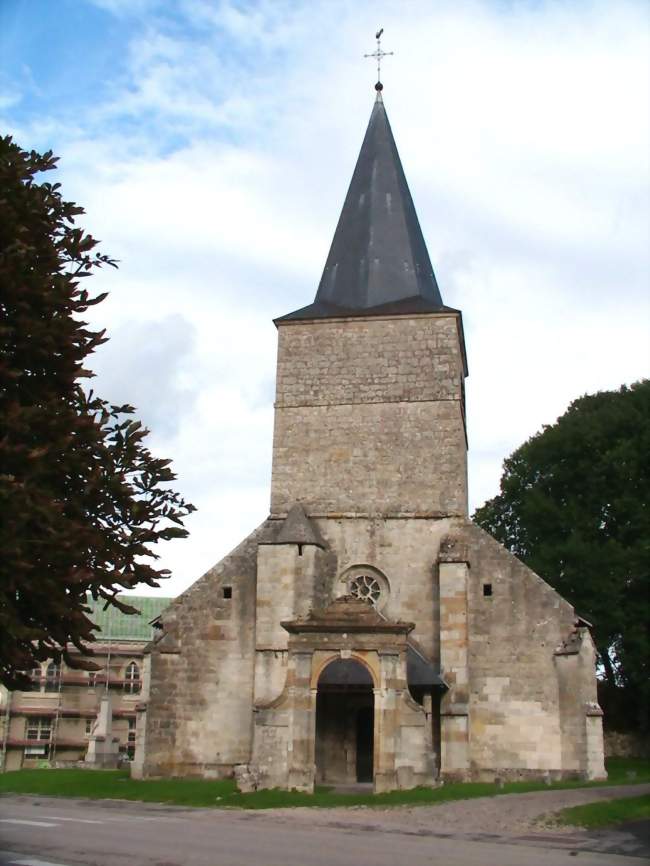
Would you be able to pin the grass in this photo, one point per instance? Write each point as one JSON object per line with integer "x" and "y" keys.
{"x": 605, "y": 814}
{"x": 116, "y": 784}
{"x": 627, "y": 771}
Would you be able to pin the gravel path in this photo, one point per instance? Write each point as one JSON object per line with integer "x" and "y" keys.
{"x": 506, "y": 814}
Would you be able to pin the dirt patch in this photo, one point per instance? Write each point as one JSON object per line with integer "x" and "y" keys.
{"x": 507, "y": 814}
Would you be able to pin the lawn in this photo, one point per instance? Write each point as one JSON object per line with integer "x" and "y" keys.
{"x": 116, "y": 784}
{"x": 605, "y": 814}
{"x": 626, "y": 771}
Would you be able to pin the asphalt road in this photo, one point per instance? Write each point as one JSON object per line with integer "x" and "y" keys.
{"x": 39, "y": 831}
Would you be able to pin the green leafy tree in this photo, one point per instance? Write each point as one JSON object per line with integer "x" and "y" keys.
{"x": 82, "y": 500}
{"x": 574, "y": 507}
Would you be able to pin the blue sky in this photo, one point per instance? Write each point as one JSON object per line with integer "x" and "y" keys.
{"x": 59, "y": 57}
{"x": 211, "y": 143}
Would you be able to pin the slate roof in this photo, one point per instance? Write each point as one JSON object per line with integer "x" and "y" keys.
{"x": 420, "y": 671}
{"x": 115, "y": 625}
{"x": 297, "y": 528}
{"x": 378, "y": 262}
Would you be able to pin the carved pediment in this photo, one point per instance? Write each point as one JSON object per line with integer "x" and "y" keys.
{"x": 347, "y": 614}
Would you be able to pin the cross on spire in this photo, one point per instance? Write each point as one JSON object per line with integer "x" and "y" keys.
{"x": 378, "y": 53}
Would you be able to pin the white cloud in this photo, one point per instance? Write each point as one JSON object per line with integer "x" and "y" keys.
{"x": 217, "y": 169}
{"x": 148, "y": 365}
{"x": 9, "y": 100}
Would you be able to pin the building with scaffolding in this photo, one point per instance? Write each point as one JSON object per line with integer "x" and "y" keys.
{"x": 51, "y": 723}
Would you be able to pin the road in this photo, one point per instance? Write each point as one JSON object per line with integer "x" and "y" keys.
{"x": 40, "y": 831}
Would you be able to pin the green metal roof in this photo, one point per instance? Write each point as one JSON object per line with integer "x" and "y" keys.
{"x": 114, "y": 625}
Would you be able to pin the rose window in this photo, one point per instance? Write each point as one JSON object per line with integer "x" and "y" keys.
{"x": 366, "y": 587}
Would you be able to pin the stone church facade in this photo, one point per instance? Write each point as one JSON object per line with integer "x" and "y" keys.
{"x": 367, "y": 630}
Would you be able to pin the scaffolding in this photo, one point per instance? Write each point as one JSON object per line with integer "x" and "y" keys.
{"x": 57, "y": 715}
{"x": 120, "y": 637}
{"x": 5, "y": 735}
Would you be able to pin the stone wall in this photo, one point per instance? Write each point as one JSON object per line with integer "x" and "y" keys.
{"x": 201, "y": 682}
{"x": 286, "y": 750}
{"x": 580, "y": 715}
{"x": 369, "y": 417}
{"x": 514, "y": 701}
{"x": 516, "y": 707}
{"x": 287, "y": 575}
{"x": 454, "y": 665}
{"x": 368, "y": 360}
{"x": 521, "y": 721}
{"x": 219, "y": 658}
{"x": 626, "y": 745}
{"x": 404, "y": 551}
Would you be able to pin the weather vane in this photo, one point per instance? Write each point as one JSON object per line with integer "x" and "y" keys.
{"x": 379, "y": 54}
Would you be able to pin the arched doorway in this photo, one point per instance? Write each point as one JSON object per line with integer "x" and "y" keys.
{"x": 344, "y": 723}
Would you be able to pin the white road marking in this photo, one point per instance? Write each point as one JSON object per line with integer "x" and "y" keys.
{"x": 136, "y": 818}
{"x": 34, "y": 863}
{"x": 79, "y": 820}
{"x": 29, "y": 823}
{"x": 145, "y": 818}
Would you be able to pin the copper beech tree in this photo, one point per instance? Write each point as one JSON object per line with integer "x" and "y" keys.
{"x": 82, "y": 499}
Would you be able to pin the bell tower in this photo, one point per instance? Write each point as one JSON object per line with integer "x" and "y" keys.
{"x": 369, "y": 412}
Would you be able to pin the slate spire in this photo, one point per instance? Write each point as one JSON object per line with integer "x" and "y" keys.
{"x": 378, "y": 261}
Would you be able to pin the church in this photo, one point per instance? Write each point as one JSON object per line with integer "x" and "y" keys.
{"x": 367, "y": 631}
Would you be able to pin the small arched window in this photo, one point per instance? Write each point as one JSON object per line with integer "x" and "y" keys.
{"x": 132, "y": 683}
{"x": 53, "y": 677}
{"x": 367, "y": 584}
{"x": 366, "y": 587}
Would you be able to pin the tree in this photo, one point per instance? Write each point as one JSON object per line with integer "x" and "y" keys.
{"x": 574, "y": 507}
{"x": 82, "y": 500}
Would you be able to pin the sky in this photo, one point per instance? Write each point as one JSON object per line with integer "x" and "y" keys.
{"x": 211, "y": 143}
